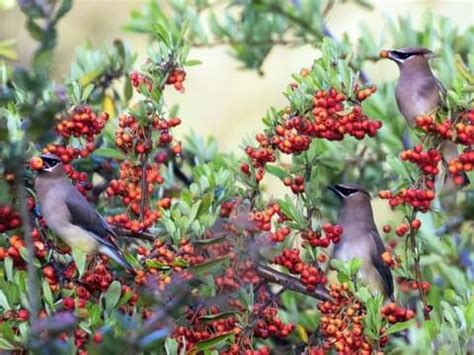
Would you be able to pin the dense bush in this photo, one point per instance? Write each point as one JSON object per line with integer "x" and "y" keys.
{"x": 220, "y": 266}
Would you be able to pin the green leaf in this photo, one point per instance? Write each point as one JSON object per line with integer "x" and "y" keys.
{"x": 217, "y": 316}
{"x": 80, "y": 258}
{"x": 276, "y": 171}
{"x": 9, "y": 268}
{"x": 192, "y": 62}
{"x": 24, "y": 255}
{"x": 109, "y": 153}
{"x": 209, "y": 265}
{"x": 400, "y": 326}
{"x": 155, "y": 264}
{"x": 86, "y": 92}
{"x": 47, "y": 294}
{"x": 6, "y": 345}
{"x": 66, "y": 5}
{"x": 171, "y": 346}
{"x": 112, "y": 295}
{"x": 213, "y": 342}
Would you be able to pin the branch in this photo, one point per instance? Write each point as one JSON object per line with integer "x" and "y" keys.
{"x": 33, "y": 294}
{"x": 290, "y": 282}
{"x": 138, "y": 235}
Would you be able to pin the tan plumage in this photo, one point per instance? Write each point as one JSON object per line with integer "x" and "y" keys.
{"x": 360, "y": 238}
{"x": 70, "y": 216}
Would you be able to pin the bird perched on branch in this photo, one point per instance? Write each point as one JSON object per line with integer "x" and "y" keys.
{"x": 419, "y": 92}
{"x": 69, "y": 214}
{"x": 360, "y": 238}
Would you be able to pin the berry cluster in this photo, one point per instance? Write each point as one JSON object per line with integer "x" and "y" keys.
{"x": 332, "y": 233}
{"x": 296, "y": 184}
{"x": 427, "y": 161}
{"x": 310, "y": 276}
{"x": 394, "y": 314}
{"x": 129, "y": 188}
{"x": 462, "y": 131}
{"x": 332, "y": 123}
{"x": 464, "y": 163}
{"x": 269, "y": 324}
{"x": 342, "y": 323}
{"x": 263, "y": 220}
{"x": 97, "y": 278}
{"x": 418, "y": 198}
{"x": 333, "y": 116}
{"x": 176, "y": 78}
{"x": 9, "y": 218}
{"x": 407, "y": 285}
{"x": 82, "y": 122}
{"x": 137, "y": 79}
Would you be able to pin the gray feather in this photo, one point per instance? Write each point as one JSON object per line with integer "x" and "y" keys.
{"x": 382, "y": 268}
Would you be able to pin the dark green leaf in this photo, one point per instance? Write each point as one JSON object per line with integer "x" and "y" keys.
{"x": 213, "y": 342}
{"x": 109, "y": 153}
{"x": 209, "y": 265}
{"x": 112, "y": 295}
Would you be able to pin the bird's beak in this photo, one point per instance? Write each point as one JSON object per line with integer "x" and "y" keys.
{"x": 335, "y": 189}
{"x": 387, "y": 54}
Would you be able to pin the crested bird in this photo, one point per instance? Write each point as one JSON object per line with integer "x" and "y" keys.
{"x": 70, "y": 216}
{"x": 360, "y": 238}
{"x": 418, "y": 92}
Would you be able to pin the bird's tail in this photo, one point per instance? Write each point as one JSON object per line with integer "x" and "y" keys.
{"x": 117, "y": 256}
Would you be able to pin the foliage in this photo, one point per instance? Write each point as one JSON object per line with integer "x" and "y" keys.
{"x": 219, "y": 267}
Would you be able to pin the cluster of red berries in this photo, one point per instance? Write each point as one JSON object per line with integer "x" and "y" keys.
{"x": 131, "y": 136}
{"x": 176, "y": 78}
{"x": 97, "y": 278}
{"x": 418, "y": 198}
{"x": 200, "y": 326}
{"x": 332, "y": 233}
{"x": 296, "y": 184}
{"x": 9, "y": 218}
{"x": 407, "y": 285}
{"x": 129, "y": 188}
{"x": 137, "y": 79}
{"x": 460, "y": 132}
{"x": 394, "y": 314}
{"x": 189, "y": 253}
{"x": 235, "y": 349}
{"x": 332, "y": 123}
{"x": 263, "y": 218}
{"x": 243, "y": 272}
{"x": 463, "y": 163}
{"x": 82, "y": 122}
{"x": 427, "y": 161}
{"x": 269, "y": 324}
{"x": 387, "y": 258}
{"x": 334, "y": 116}
{"x": 310, "y": 276}
{"x": 342, "y": 323}
{"x": 17, "y": 244}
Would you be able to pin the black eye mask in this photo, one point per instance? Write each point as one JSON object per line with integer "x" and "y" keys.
{"x": 402, "y": 55}
{"x": 346, "y": 191}
{"x": 50, "y": 162}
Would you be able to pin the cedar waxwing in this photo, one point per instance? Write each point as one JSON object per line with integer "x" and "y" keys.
{"x": 419, "y": 92}
{"x": 360, "y": 238}
{"x": 69, "y": 214}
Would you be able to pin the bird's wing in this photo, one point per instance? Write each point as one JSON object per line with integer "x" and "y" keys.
{"x": 442, "y": 89}
{"x": 382, "y": 268}
{"x": 84, "y": 216}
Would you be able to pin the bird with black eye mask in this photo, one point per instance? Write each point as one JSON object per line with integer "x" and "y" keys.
{"x": 360, "y": 238}
{"x": 70, "y": 216}
{"x": 418, "y": 92}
